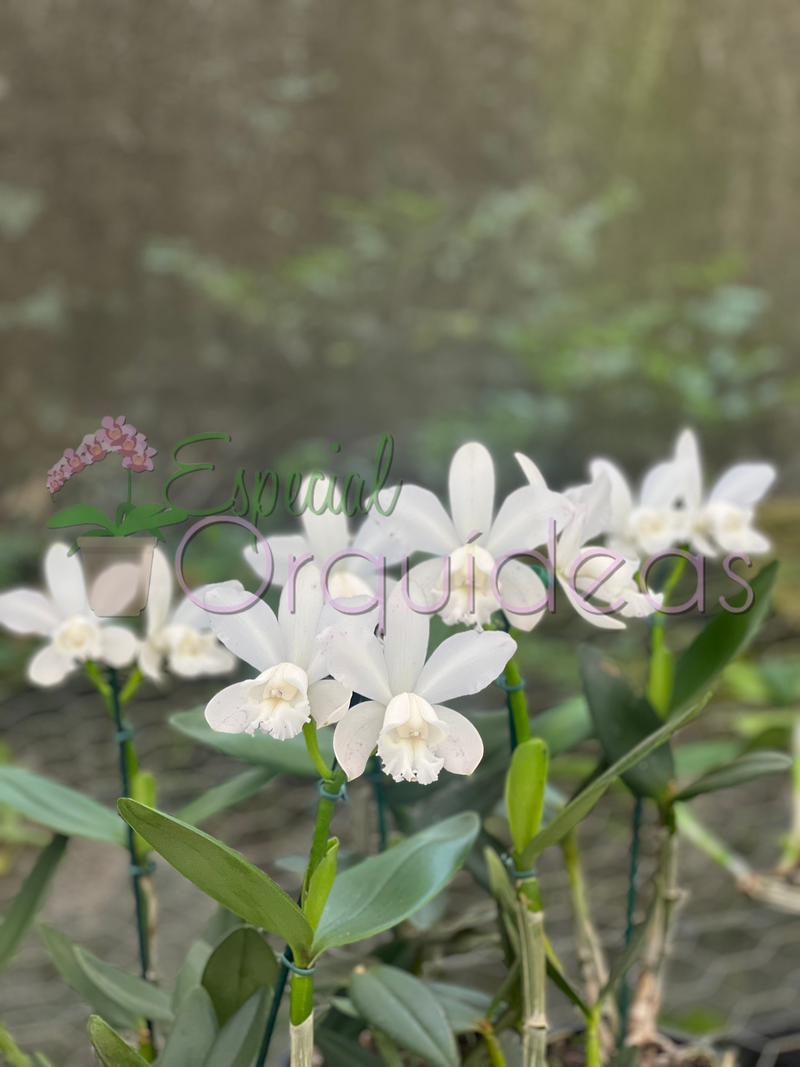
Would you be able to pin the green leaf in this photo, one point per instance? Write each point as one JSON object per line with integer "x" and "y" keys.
{"x": 564, "y": 726}
{"x": 239, "y": 1040}
{"x": 38, "y": 1059}
{"x": 190, "y": 976}
{"x": 58, "y": 807}
{"x": 150, "y": 517}
{"x": 80, "y": 515}
{"x": 622, "y": 719}
{"x": 558, "y": 978}
{"x": 525, "y": 783}
{"x": 320, "y": 884}
{"x": 224, "y": 796}
{"x": 31, "y": 896}
{"x": 401, "y": 1005}
{"x": 744, "y": 769}
{"x": 697, "y": 757}
{"x": 463, "y": 1007}
{"x": 238, "y": 967}
{"x": 135, "y": 995}
{"x": 582, "y": 804}
{"x": 193, "y": 1034}
{"x": 62, "y": 953}
{"x": 722, "y": 638}
{"x": 221, "y": 873}
{"x": 290, "y": 756}
{"x": 342, "y": 1051}
{"x": 111, "y": 1050}
{"x": 383, "y": 890}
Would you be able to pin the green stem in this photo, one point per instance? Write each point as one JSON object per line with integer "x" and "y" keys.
{"x": 319, "y": 845}
{"x": 130, "y": 485}
{"x": 530, "y": 921}
{"x": 717, "y": 850}
{"x": 593, "y": 1058}
{"x": 790, "y": 858}
{"x": 132, "y": 683}
{"x": 312, "y": 744}
{"x": 489, "y": 1035}
{"x": 517, "y": 704}
{"x": 9, "y": 1048}
{"x": 659, "y": 685}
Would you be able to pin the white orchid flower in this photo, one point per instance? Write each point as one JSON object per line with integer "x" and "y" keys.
{"x": 415, "y": 735}
{"x": 291, "y": 686}
{"x": 723, "y": 520}
{"x": 181, "y": 637}
{"x": 594, "y": 505}
{"x": 475, "y": 539}
{"x": 326, "y": 535}
{"x": 75, "y": 634}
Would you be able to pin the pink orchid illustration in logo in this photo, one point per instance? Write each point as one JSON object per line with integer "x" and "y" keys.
{"x": 141, "y": 459}
{"x": 73, "y": 462}
{"x": 95, "y": 447}
{"x": 57, "y": 477}
{"x": 117, "y": 432}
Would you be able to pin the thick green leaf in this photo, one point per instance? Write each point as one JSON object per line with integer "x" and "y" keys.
{"x": 111, "y": 1050}
{"x": 238, "y": 967}
{"x": 697, "y": 757}
{"x": 62, "y": 953}
{"x": 401, "y": 1005}
{"x": 226, "y": 795}
{"x": 239, "y": 1040}
{"x": 557, "y": 976}
{"x": 80, "y": 515}
{"x": 582, "y": 804}
{"x": 622, "y": 719}
{"x": 383, "y": 890}
{"x": 525, "y": 783}
{"x": 744, "y": 769}
{"x": 722, "y": 638}
{"x": 193, "y": 1034}
{"x": 133, "y": 994}
{"x": 33, "y": 893}
{"x": 221, "y": 923}
{"x": 150, "y": 517}
{"x": 290, "y": 756}
{"x": 223, "y": 874}
{"x": 58, "y": 807}
{"x": 319, "y": 886}
{"x": 190, "y": 976}
{"x": 342, "y": 1051}
{"x": 463, "y": 1007}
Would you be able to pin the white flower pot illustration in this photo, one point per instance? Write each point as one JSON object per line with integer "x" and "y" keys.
{"x": 117, "y": 573}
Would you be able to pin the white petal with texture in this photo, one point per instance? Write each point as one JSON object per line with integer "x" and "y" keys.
{"x": 357, "y": 735}
{"x": 254, "y": 634}
{"x": 226, "y": 711}
{"x": 462, "y": 749}
{"x": 530, "y": 470}
{"x": 418, "y": 523}
{"x": 357, "y": 664}
{"x": 521, "y": 586}
{"x": 523, "y": 520}
{"x": 329, "y": 701}
{"x": 299, "y": 627}
{"x": 464, "y": 664}
{"x": 471, "y": 488}
{"x": 406, "y": 641}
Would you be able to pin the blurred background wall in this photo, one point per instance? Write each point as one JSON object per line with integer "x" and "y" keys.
{"x": 567, "y": 226}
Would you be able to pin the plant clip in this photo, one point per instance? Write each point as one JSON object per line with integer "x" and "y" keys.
{"x": 501, "y": 683}
{"x": 142, "y": 871}
{"x": 323, "y": 792}
{"x": 301, "y": 972}
{"x": 520, "y": 876}
{"x": 123, "y": 735}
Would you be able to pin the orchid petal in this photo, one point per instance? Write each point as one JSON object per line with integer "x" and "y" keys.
{"x": 226, "y": 711}
{"x": 471, "y": 488}
{"x": 49, "y": 666}
{"x": 119, "y": 645}
{"x": 358, "y": 665}
{"x": 603, "y": 622}
{"x": 299, "y": 627}
{"x": 744, "y": 485}
{"x": 464, "y": 664}
{"x": 406, "y": 641}
{"x": 418, "y": 523}
{"x": 521, "y": 586}
{"x": 326, "y": 533}
{"x": 357, "y": 735}
{"x": 150, "y": 661}
{"x": 329, "y": 701}
{"x": 64, "y": 576}
{"x": 662, "y": 486}
{"x": 687, "y": 456}
{"x": 24, "y": 611}
{"x": 523, "y": 520}
{"x": 530, "y": 470}
{"x": 253, "y": 634}
{"x": 620, "y": 499}
{"x": 462, "y": 749}
{"x": 281, "y": 548}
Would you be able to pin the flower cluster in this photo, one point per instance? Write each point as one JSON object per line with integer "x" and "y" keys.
{"x": 114, "y": 435}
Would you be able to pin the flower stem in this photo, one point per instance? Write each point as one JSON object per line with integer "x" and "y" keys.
{"x": 517, "y": 704}
{"x": 790, "y": 858}
{"x": 9, "y": 1049}
{"x": 489, "y": 1035}
{"x": 130, "y": 486}
{"x": 530, "y": 923}
{"x": 312, "y": 744}
{"x": 325, "y": 810}
{"x": 127, "y": 759}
